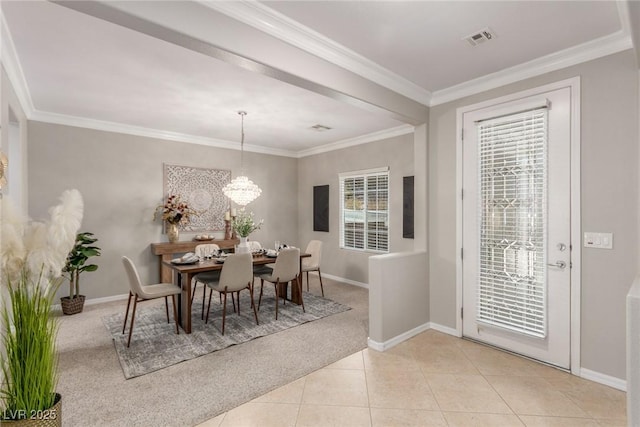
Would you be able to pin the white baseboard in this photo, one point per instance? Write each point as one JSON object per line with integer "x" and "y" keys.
{"x": 94, "y": 301}
{"x": 382, "y": 346}
{"x": 608, "y": 380}
{"x": 444, "y": 329}
{"x": 347, "y": 281}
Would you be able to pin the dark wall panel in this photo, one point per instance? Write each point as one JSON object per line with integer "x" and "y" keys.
{"x": 407, "y": 207}
{"x": 321, "y": 208}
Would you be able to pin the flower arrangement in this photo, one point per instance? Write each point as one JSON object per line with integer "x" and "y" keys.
{"x": 174, "y": 211}
{"x": 32, "y": 257}
{"x": 243, "y": 224}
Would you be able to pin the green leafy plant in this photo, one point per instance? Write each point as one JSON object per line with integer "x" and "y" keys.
{"x": 244, "y": 224}
{"x": 77, "y": 258}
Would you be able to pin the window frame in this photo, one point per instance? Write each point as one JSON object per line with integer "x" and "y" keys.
{"x": 364, "y": 175}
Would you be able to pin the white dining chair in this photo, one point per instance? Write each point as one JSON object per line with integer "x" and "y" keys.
{"x": 258, "y": 270}
{"x": 312, "y": 263}
{"x": 254, "y": 245}
{"x": 236, "y": 275}
{"x": 141, "y": 292}
{"x": 285, "y": 269}
{"x": 205, "y": 250}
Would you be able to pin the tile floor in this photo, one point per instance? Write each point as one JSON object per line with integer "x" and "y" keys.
{"x": 433, "y": 379}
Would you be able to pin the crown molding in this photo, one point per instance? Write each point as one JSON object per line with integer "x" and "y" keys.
{"x": 67, "y": 120}
{"x": 101, "y": 125}
{"x": 286, "y": 29}
{"x": 358, "y": 140}
{"x": 12, "y": 66}
{"x": 594, "y": 49}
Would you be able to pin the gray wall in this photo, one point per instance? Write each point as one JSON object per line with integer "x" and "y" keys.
{"x": 322, "y": 169}
{"x": 609, "y": 191}
{"x": 121, "y": 179}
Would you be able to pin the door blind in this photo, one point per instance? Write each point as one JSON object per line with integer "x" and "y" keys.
{"x": 513, "y": 198}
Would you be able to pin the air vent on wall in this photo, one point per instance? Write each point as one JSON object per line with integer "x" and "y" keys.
{"x": 481, "y": 36}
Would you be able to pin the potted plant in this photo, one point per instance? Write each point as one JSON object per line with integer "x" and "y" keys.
{"x": 243, "y": 225}
{"x": 32, "y": 257}
{"x": 76, "y": 264}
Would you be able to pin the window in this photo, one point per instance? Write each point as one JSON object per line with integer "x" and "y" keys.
{"x": 364, "y": 210}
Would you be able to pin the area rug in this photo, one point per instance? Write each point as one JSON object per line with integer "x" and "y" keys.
{"x": 155, "y": 345}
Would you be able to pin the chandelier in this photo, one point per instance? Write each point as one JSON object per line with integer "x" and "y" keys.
{"x": 241, "y": 189}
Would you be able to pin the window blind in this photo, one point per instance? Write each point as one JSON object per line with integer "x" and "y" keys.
{"x": 364, "y": 210}
{"x": 513, "y": 192}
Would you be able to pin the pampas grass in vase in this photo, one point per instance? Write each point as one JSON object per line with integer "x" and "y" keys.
{"x": 32, "y": 257}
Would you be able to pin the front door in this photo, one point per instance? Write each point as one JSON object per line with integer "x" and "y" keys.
{"x": 516, "y": 226}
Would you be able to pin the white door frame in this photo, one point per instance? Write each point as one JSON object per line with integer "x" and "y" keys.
{"x": 576, "y": 226}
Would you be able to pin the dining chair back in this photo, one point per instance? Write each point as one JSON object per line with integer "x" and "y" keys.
{"x": 140, "y": 292}
{"x": 286, "y": 269}
{"x": 254, "y": 245}
{"x": 312, "y": 263}
{"x": 287, "y": 265}
{"x": 237, "y": 272}
{"x": 236, "y": 275}
{"x": 258, "y": 270}
{"x": 135, "y": 284}
{"x": 206, "y": 250}
{"x": 202, "y": 251}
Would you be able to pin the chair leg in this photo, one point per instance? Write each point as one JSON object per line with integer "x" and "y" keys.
{"x": 307, "y": 281}
{"x": 209, "y": 306}
{"x": 284, "y": 298}
{"x": 261, "y": 287}
{"x": 133, "y": 315}
{"x": 193, "y": 294}
{"x": 224, "y": 308}
{"x": 319, "y": 277}
{"x": 175, "y": 313}
{"x": 299, "y": 283}
{"x": 166, "y": 307}
{"x": 238, "y": 298}
{"x": 255, "y": 313}
{"x": 126, "y": 314}
{"x": 251, "y": 285}
{"x": 204, "y": 295}
{"x": 277, "y": 297}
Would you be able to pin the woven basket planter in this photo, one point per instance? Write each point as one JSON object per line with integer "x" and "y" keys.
{"x": 72, "y": 305}
{"x": 51, "y": 417}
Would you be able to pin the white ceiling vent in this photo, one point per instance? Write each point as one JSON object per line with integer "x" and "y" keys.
{"x": 481, "y": 36}
{"x": 320, "y": 128}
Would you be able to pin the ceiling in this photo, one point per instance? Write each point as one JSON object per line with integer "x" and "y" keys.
{"x": 366, "y": 69}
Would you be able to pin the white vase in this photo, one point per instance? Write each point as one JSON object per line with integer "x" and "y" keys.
{"x": 243, "y": 247}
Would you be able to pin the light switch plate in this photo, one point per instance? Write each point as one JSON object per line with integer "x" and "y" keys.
{"x": 598, "y": 240}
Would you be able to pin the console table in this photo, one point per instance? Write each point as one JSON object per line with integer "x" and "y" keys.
{"x": 166, "y": 252}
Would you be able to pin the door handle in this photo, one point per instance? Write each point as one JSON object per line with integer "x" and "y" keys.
{"x": 559, "y": 264}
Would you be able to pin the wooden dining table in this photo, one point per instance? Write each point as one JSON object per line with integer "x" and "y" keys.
{"x": 183, "y": 275}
